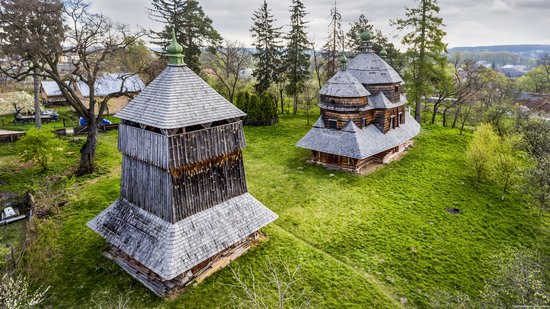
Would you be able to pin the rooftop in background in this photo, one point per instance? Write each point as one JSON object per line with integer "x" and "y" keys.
{"x": 111, "y": 83}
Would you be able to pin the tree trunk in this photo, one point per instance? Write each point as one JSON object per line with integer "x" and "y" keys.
{"x": 37, "y": 119}
{"x": 295, "y": 107}
{"x": 436, "y": 108}
{"x": 87, "y": 152}
{"x": 456, "y": 116}
{"x": 465, "y": 118}
{"x": 282, "y": 101}
{"x": 445, "y": 116}
{"x": 418, "y": 110}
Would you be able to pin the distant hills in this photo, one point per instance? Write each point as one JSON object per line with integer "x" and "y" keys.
{"x": 500, "y": 55}
{"x": 516, "y": 49}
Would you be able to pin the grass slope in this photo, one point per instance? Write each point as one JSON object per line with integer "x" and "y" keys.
{"x": 361, "y": 241}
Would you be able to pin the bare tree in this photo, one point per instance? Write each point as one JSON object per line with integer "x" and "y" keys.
{"x": 309, "y": 95}
{"x": 228, "y": 63}
{"x": 32, "y": 34}
{"x": 277, "y": 286}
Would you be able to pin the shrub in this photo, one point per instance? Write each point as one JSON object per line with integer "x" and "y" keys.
{"x": 269, "y": 109}
{"x": 254, "y": 110}
{"x": 39, "y": 146}
{"x": 242, "y": 101}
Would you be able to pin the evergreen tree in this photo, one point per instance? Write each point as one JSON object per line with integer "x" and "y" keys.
{"x": 296, "y": 56}
{"x": 426, "y": 48}
{"x": 335, "y": 42}
{"x": 193, "y": 28}
{"x": 353, "y": 37}
{"x": 242, "y": 101}
{"x": 254, "y": 109}
{"x": 267, "y": 41}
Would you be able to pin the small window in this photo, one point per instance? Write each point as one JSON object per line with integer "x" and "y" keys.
{"x": 396, "y": 88}
{"x": 333, "y": 124}
{"x": 392, "y": 122}
{"x": 363, "y": 123}
{"x": 401, "y": 118}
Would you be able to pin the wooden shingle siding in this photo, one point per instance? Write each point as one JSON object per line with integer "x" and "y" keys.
{"x": 147, "y": 187}
{"x": 207, "y": 184}
{"x": 197, "y": 146}
{"x": 144, "y": 145}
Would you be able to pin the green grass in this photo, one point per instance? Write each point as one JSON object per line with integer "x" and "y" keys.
{"x": 361, "y": 241}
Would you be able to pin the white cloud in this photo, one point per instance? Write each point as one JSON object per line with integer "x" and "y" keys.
{"x": 500, "y": 6}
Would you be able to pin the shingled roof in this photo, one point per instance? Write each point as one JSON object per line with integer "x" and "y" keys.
{"x": 369, "y": 69}
{"x": 171, "y": 249}
{"x": 344, "y": 85}
{"x": 112, "y": 83}
{"x": 381, "y": 101}
{"x": 360, "y": 144}
{"x": 178, "y": 98}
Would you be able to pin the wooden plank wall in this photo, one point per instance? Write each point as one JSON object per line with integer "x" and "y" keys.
{"x": 207, "y": 184}
{"x": 196, "y": 146}
{"x": 144, "y": 145}
{"x": 147, "y": 186}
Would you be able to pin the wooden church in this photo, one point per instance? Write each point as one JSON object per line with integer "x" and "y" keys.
{"x": 184, "y": 209}
{"x": 363, "y": 117}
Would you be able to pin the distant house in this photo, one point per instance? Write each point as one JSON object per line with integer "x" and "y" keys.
{"x": 538, "y": 102}
{"x": 513, "y": 71}
{"x": 51, "y": 94}
{"x": 111, "y": 83}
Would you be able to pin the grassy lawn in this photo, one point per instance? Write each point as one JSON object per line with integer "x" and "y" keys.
{"x": 361, "y": 241}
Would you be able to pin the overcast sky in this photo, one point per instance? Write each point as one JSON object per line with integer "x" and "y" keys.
{"x": 468, "y": 22}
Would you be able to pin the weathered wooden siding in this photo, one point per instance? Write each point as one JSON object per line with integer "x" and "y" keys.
{"x": 345, "y": 102}
{"x": 147, "y": 186}
{"x": 196, "y": 146}
{"x": 175, "y": 151}
{"x": 206, "y": 184}
{"x": 391, "y": 91}
{"x": 144, "y": 145}
{"x": 343, "y": 117}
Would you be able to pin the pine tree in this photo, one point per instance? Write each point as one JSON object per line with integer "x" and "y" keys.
{"x": 426, "y": 47}
{"x": 267, "y": 41}
{"x": 296, "y": 57}
{"x": 193, "y": 28}
{"x": 335, "y": 42}
{"x": 353, "y": 37}
{"x": 379, "y": 42}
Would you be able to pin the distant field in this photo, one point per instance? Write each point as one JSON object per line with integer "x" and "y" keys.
{"x": 373, "y": 241}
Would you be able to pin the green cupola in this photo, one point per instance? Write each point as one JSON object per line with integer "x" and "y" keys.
{"x": 175, "y": 56}
{"x": 343, "y": 62}
{"x": 383, "y": 53}
{"x": 366, "y": 35}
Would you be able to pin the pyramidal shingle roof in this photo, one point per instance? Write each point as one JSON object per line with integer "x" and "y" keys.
{"x": 178, "y": 98}
{"x": 168, "y": 249}
{"x": 359, "y": 144}
{"x": 344, "y": 85}
{"x": 368, "y": 68}
{"x": 381, "y": 101}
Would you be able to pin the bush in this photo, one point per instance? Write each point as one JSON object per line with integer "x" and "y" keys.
{"x": 40, "y": 146}
{"x": 269, "y": 109}
{"x": 254, "y": 110}
{"x": 242, "y": 101}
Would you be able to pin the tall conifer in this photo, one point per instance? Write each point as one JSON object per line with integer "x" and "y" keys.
{"x": 335, "y": 42}
{"x": 267, "y": 41}
{"x": 193, "y": 28}
{"x": 426, "y": 48}
{"x": 296, "y": 57}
